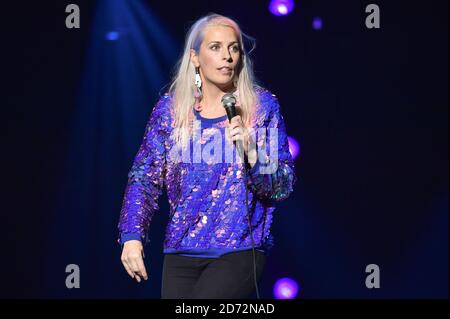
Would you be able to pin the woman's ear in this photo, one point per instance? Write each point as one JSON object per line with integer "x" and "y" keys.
{"x": 194, "y": 58}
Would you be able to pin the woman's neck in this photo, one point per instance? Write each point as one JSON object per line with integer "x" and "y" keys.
{"x": 212, "y": 95}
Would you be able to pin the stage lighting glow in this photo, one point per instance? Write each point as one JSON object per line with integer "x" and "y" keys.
{"x": 317, "y": 23}
{"x": 294, "y": 147}
{"x": 281, "y": 7}
{"x": 285, "y": 288}
{"x": 112, "y": 36}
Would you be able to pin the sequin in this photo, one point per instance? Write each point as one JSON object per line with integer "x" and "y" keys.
{"x": 207, "y": 201}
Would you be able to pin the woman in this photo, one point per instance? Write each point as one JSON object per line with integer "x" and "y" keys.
{"x": 218, "y": 233}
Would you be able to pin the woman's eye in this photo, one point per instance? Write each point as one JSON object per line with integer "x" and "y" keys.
{"x": 234, "y": 49}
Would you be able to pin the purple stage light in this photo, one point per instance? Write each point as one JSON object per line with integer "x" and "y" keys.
{"x": 294, "y": 147}
{"x": 317, "y": 23}
{"x": 281, "y": 7}
{"x": 285, "y": 288}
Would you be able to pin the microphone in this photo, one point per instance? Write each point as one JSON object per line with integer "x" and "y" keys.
{"x": 228, "y": 102}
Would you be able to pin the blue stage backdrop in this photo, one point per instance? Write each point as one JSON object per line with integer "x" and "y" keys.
{"x": 367, "y": 107}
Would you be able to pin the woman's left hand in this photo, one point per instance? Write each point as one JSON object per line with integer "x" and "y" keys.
{"x": 237, "y": 131}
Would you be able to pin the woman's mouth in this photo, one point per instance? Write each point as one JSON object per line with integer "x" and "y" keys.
{"x": 225, "y": 70}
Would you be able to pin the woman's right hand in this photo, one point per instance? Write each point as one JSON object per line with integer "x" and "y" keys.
{"x": 132, "y": 259}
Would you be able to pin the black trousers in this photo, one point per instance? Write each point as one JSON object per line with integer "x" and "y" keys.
{"x": 227, "y": 277}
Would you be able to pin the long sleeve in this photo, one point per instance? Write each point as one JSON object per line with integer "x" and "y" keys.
{"x": 273, "y": 176}
{"x": 145, "y": 178}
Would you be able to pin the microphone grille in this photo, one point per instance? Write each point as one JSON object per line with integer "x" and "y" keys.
{"x": 228, "y": 99}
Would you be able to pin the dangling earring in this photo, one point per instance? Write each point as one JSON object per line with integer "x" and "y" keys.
{"x": 198, "y": 92}
{"x": 198, "y": 81}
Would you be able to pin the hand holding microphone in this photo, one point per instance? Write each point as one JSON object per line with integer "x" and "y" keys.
{"x": 238, "y": 132}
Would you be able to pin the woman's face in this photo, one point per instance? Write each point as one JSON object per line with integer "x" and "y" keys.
{"x": 219, "y": 55}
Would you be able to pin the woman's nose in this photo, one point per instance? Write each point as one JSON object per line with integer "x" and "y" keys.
{"x": 227, "y": 55}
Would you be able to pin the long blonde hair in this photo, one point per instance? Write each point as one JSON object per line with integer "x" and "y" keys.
{"x": 182, "y": 88}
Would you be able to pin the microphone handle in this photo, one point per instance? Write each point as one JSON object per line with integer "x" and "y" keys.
{"x": 231, "y": 112}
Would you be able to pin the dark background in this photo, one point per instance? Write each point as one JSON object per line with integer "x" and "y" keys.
{"x": 368, "y": 107}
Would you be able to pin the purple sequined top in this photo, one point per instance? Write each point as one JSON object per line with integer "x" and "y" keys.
{"x": 207, "y": 198}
